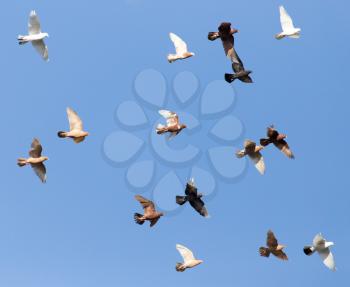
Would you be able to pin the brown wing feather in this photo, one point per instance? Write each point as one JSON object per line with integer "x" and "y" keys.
{"x": 36, "y": 149}
{"x": 280, "y": 254}
{"x": 271, "y": 241}
{"x": 283, "y": 146}
{"x": 147, "y": 204}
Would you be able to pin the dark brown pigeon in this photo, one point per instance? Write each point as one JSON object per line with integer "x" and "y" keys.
{"x": 149, "y": 213}
{"x": 226, "y": 35}
{"x": 273, "y": 247}
{"x": 194, "y": 198}
{"x": 273, "y": 136}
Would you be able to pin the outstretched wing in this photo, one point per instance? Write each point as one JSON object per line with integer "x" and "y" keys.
{"x": 280, "y": 254}
{"x": 41, "y": 48}
{"x": 40, "y": 171}
{"x": 172, "y": 118}
{"x": 327, "y": 258}
{"x": 198, "y": 205}
{"x": 36, "y": 149}
{"x": 75, "y": 123}
{"x": 271, "y": 240}
{"x": 283, "y": 146}
{"x": 258, "y": 160}
{"x": 180, "y": 45}
{"x": 286, "y": 20}
{"x": 319, "y": 241}
{"x": 33, "y": 24}
{"x": 186, "y": 254}
{"x": 146, "y": 203}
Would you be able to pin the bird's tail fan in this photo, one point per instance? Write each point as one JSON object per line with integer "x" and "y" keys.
{"x": 265, "y": 252}
{"x": 160, "y": 129}
{"x": 61, "y": 134}
{"x": 213, "y": 36}
{"x": 21, "y": 40}
{"x": 21, "y": 162}
{"x": 309, "y": 250}
{"x": 179, "y": 267}
{"x": 265, "y": 142}
{"x": 181, "y": 200}
{"x": 137, "y": 218}
{"x": 230, "y": 78}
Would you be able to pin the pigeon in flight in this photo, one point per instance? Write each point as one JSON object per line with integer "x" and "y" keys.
{"x": 194, "y": 198}
{"x": 180, "y": 48}
{"x": 226, "y": 35}
{"x": 287, "y": 26}
{"x": 172, "y": 124}
{"x": 273, "y": 247}
{"x": 189, "y": 260}
{"x": 35, "y": 36}
{"x": 150, "y": 212}
{"x": 253, "y": 151}
{"x": 36, "y": 160}
{"x": 320, "y": 245}
{"x": 76, "y": 131}
{"x": 273, "y": 136}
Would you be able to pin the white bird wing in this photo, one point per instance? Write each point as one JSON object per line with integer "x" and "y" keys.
{"x": 75, "y": 123}
{"x": 186, "y": 254}
{"x": 41, "y": 48}
{"x": 180, "y": 45}
{"x": 327, "y": 258}
{"x": 286, "y": 20}
{"x": 171, "y": 117}
{"x": 319, "y": 241}
{"x": 258, "y": 160}
{"x": 33, "y": 24}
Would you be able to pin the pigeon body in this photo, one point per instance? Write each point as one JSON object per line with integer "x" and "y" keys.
{"x": 273, "y": 247}
{"x": 35, "y": 36}
{"x": 180, "y": 48}
{"x": 274, "y": 137}
{"x": 173, "y": 127}
{"x": 288, "y": 29}
{"x": 226, "y": 33}
{"x": 194, "y": 198}
{"x": 189, "y": 260}
{"x": 253, "y": 152}
{"x": 321, "y": 246}
{"x": 36, "y": 160}
{"x": 150, "y": 213}
{"x": 76, "y": 131}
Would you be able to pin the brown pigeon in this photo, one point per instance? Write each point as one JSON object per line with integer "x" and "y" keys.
{"x": 36, "y": 160}
{"x": 173, "y": 127}
{"x": 149, "y": 212}
{"x": 278, "y": 140}
{"x": 194, "y": 198}
{"x": 253, "y": 151}
{"x": 226, "y": 35}
{"x": 273, "y": 247}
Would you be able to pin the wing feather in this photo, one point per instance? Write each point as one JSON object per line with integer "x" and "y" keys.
{"x": 180, "y": 45}
{"x": 75, "y": 123}
{"x": 286, "y": 20}
{"x": 186, "y": 254}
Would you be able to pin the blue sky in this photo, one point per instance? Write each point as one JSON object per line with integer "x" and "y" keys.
{"x": 77, "y": 230}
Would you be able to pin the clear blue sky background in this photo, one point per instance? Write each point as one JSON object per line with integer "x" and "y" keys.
{"x": 77, "y": 230}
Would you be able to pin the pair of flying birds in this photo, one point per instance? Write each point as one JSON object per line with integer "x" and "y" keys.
{"x": 253, "y": 151}
{"x": 36, "y": 159}
{"x": 152, "y": 215}
{"x": 319, "y": 245}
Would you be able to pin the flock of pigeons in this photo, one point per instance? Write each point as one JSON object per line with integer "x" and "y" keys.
{"x": 173, "y": 127}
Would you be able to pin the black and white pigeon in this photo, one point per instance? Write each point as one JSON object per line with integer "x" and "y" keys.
{"x": 194, "y": 198}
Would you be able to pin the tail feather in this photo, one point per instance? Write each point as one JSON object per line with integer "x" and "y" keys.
{"x": 230, "y": 78}
{"x": 265, "y": 142}
{"x": 161, "y": 129}
{"x": 265, "y": 252}
{"x": 213, "y": 36}
{"x": 309, "y": 250}
{"x": 181, "y": 199}
{"x": 21, "y": 162}
{"x": 137, "y": 219}
{"x": 179, "y": 267}
{"x": 21, "y": 41}
{"x": 61, "y": 134}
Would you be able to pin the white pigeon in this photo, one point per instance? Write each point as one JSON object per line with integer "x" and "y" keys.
{"x": 320, "y": 245}
{"x": 287, "y": 26}
{"x": 35, "y": 36}
{"x": 180, "y": 48}
{"x": 189, "y": 260}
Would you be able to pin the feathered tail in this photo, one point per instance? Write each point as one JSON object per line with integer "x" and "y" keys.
{"x": 181, "y": 199}
{"x": 309, "y": 250}
{"x": 230, "y": 78}
{"x": 213, "y": 36}
{"x": 21, "y": 40}
{"x": 137, "y": 218}
{"x": 61, "y": 134}
{"x": 160, "y": 129}
{"x": 265, "y": 142}
{"x": 265, "y": 252}
{"x": 179, "y": 267}
{"x": 21, "y": 162}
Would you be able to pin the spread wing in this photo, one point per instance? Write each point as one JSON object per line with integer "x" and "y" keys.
{"x": 280, "y": 254}
{"x": 146, "y": 203}
{"x": 36, "y": 149}
{"x": 258, "y": 160}
{"x": 198, "y": 205}
{"x": 33, "y": 24}
{"x": 186, "y": 254}
{"x": 40, "y": 171}
{"x": 286, "y": 20}
{"x": 283, "y": 146}
{"x": 180, "y": 45}
{"x": 271, "y": 241}
{"x": 41, "y": 48}
{"x": 154, "y": 221}
{"x": 75, "y": 122}
{"x": 172, "y": 118}
{"x": 328, "y": 258}
{"x": 237, "y": 64}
